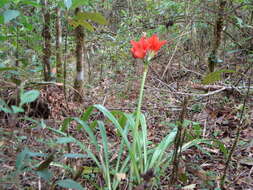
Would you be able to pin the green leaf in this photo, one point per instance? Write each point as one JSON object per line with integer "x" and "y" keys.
{"x": 45, "y": 174}
{"x": 105, "y": 156}
{"x": 161, "y": 148}
{"x": 69, "y": 183}
{"x": 78, "y": 3}
{"x": 68, "y": 3}
{"x": 215, "y": 76}
{"x": 87, "y": 113}
{"x": 76, "y": 23}
{"x": 31, "y": 2}
{"x": 65, "y": 124}
{"x": 86, "y": 25}
{"x": 96, "y": 17}
{"x": 20, "y": 159}
{"x": 90, "y": 170}
{"x": 4, "y": 107}
{"x": 29, "y": 96}
{"x": 64, "y": 140}
{"x": 70, "y": 155}
{"x": 8, "y": 69}
{"x": 17, "y": 109}
{"x": 10, "y": 14}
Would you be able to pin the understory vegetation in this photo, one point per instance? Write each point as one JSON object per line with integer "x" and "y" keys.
{"x": 124, "y": 94}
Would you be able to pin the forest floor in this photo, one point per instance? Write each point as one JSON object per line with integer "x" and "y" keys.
{"x": 211, "y": 117}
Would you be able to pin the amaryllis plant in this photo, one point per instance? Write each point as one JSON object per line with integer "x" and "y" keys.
{"x": 146, "y": 49}
{"x": 134, "y": 156}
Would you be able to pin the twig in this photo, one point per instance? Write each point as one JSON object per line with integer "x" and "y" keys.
{"x": 191, "y": 94}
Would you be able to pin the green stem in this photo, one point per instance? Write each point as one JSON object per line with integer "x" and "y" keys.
{"x": 136, "y": 143}
{"x": 137, "y": 122}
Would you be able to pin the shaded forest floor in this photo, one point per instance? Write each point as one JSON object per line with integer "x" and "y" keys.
{"x": 213, "y": 117}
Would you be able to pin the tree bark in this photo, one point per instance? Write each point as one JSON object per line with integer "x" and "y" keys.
{"x": 58, "y": 45}
{"x": 47, "y": 41}
{"x": 79, "y": 80}
{"x": 212, "y": 59}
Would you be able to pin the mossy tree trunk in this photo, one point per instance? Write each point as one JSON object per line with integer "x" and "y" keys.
{"x": 79, "y": 80}
{"x": 58, "y": 27}
{"x": 47, "y": 41}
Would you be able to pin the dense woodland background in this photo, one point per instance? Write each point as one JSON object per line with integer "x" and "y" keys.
{"x": 60, "y": 57}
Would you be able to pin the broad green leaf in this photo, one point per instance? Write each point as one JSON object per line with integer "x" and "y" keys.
{"x": 69, "y": 183}
{"x": 45, "y": 174}
{"x": 96, "y": 17}
{"x": 78, "y": 3}
{"x": 4, "y": 107}
{"x": 68, "y": 3}
{"x": 36, "y": 154}
{"x": 86, "y": 25}
{"x": 20, "y": 158}
{"x": 64, "y": 140}
{"x": 17, "y": 109}
{"x": 29, "y": 96}
{"x": 71, "y": 155}
{"x": 10, "y": 14}
{"x": 214, "y": 76}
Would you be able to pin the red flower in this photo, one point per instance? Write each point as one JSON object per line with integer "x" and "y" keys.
{"x": 140, "y": 48}
{"x": 155, "y": 44}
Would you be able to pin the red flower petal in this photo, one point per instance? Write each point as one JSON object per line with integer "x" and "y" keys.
{"x": 155, "y": 44}
{"x": 140, "y": 48}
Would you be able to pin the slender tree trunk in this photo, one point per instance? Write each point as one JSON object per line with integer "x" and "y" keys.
{"x": 58, "y": 45}
{"x": 79, "y": 80}
{"x": 47, "y": 41}
{"x": 212, "y": 60}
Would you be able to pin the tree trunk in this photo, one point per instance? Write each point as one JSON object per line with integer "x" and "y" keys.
{"x": 79, "y": 80}
{"x": 212, "y": 59}
{"x": 47, "y": 41}
{"x": 58, "y": 45}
